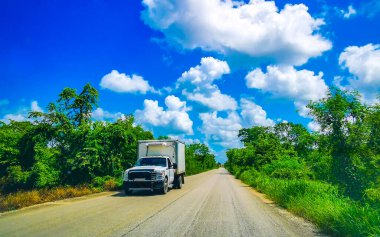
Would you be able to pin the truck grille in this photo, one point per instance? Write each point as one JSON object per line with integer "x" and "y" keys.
{"x": 147, "y": 175}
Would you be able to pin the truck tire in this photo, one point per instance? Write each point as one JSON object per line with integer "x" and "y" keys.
{"x": 127, "y": 191}
{"x": 165, "y": 187}
{"x": 179, "y": 182}
{"x": 183, "y": 179}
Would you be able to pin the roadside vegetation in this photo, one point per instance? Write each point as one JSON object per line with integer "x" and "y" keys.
{"x": 64, "y": 152}
{"x": 331, "y": 177}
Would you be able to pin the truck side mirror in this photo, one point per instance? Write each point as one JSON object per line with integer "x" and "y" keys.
{"x": 175, "y": 166}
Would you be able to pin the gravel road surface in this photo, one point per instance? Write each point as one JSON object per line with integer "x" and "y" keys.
{"x": 209, "y": 204}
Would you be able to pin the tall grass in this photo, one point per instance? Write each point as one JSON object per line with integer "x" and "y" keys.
{"x": 28, "y": 198}
{"x": 320, "y": 203}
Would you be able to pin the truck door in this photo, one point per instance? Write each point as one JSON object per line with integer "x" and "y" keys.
{"x": 171, "y": 171}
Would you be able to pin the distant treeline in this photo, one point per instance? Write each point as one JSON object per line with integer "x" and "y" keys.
{"x": 332, "y": 176}
{"x": 65, "y": 146}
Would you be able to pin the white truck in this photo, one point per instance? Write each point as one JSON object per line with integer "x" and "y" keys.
{"x": 160, "y": 165}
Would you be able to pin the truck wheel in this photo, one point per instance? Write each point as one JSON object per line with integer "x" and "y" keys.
{"x": 127, "y": 191}
{"x": 179, "y": 182}
{"x": 165, "y": 187}
{"x": 183, "y": 178}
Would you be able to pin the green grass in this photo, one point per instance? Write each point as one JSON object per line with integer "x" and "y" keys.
{"x": 320, "y": 203}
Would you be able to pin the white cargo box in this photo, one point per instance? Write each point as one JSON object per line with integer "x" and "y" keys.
{"x": 174, "y": 149}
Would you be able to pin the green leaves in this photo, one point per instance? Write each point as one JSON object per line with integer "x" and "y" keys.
{"x": 64, "y": 146}
{"x": 346, "y": 151}
{"x": 198, "y": 158}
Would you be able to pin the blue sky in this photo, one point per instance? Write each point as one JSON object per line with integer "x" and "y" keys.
{"x": 193, "y": 69}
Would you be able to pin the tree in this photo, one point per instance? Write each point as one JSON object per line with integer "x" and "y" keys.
{"x": 198, "y": 158}
{"x": 342, "y": 118}
{"x": 295, "y": 135}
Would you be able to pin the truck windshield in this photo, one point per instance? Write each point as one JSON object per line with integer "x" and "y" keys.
{"x": 154, "y": 161}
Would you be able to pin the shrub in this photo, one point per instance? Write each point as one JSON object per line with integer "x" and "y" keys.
{"x": 106, "y": 183}
{"x": 15, "y": 179}
{"x": 44, "y": 176}
{"x": 288, "y": 168}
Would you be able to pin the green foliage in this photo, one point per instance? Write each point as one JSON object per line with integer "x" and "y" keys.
{"x": 331, "y": 177}
{"x": 319, "y": 202}
{"x": 107, "y": 182}
{"x": 63, "y": 146}
{"x": 346, "y": 125}
{"x": 287, "y": 169}
{"x": 15, "y": 178}
{"x": 198, "y": 159}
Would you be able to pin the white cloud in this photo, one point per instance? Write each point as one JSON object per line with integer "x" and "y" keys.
{"x": 221, "y": 131}
{"x": 364, "y": 63}
{"x": 214, "y": 100}
{"x": 184, "y": 139}
{"x": 224, "y": 131}
{"x": 314, "y": 126}
{"x": 34, "y": 107}
{"x": 22, "y": 114}
{"x": 198, "y": 84}
{"x": 101, "y": 114}
{"x": 15, "y": 117}
{"x": 120, "y": 82}
{"x": 286, "y": 82}
{"x": 256, "y": 29}
{"x": 174, "y": 103}
{"x": 175, "y": 118}
{"x": 254, "y": 114}
{"x": 349, "y": 12}
{"x": 208, "y": 71}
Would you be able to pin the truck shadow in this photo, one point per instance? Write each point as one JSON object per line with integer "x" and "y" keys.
{"x": 136, "y": 193}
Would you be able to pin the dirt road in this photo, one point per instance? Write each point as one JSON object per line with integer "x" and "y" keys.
{"x": 210, "y": 204}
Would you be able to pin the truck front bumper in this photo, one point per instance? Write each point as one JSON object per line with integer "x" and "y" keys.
{"x": 143, "y": 185}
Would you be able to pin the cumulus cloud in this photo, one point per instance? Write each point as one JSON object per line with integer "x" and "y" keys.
{"x": 22, "y": 114}
{"x": 287, "y": 82}
{"x": 314, "y": 126}
{"x": 364, "y": 63}
{"x": 349, "y": 12}
{"x": 34, "y": 107}
{"x": 257, "y": 29}
{"x": 101, "y": 114}
{"x": 198, "y": 84}
{"x": 15, "y": 117}
{"x": 253, "y": 114}
{"x": 184, "y": 138}
{"x": 224, "y": 131}
{"x": 175, "y": 118}
{"x": 120, "y": 82}
{"x": 221, "y": 131}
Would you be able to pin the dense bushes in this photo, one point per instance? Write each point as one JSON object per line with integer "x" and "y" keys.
{"x": 198, "y": 159}
{"x": 331, "y": 177}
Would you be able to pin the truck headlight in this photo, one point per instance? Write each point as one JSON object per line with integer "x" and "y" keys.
{"x": 160, "y": 175}
{"x": 126, "y": 176}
